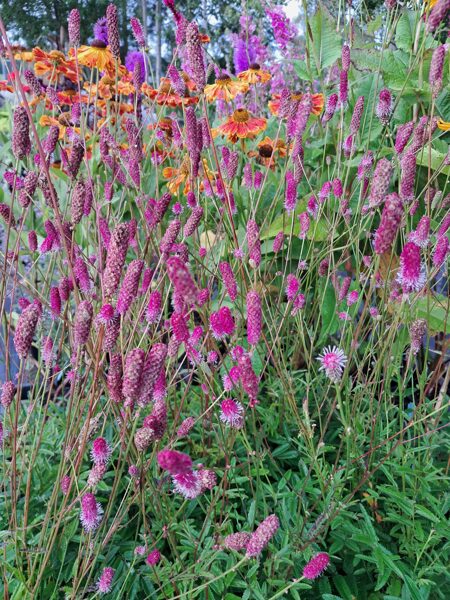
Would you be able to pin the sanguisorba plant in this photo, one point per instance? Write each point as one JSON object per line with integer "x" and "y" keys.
{"x": 224, "y": 305}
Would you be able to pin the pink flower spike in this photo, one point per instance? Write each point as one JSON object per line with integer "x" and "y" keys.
{"x": 101, "y": 451}
{"x": 153, "y": 558}
{"x": 332, "y": 361}
{"x": 262, "y": 535}
{"x": 411, "y": 274}
{"x": 222, "y": 323}
{"x": 316, "y": 566}
{"x": 91, "y": 513}
{"x": 187, "y": 484}
{"x": 175, "y": 462}
{"x": 231, "y": 413}
{"x": 105, "y": 581}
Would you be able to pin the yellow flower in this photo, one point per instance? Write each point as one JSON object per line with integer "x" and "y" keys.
{"x": 443, "y": 125}
{"x": 254, "y": 74}
{"x": 224, "y": 89}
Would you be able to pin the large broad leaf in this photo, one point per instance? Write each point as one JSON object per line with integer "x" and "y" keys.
{"x": 404, "y": 34}
{"x": 433, "y": 159}
{"x": 324, "y": 43}
{"x": 435, "y": 309}
{"x": 318, "y": 231}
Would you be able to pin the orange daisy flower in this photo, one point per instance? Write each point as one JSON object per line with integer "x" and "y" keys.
{"x": 24, "y": 55}
{"x": 53, "y": 64}
{"x": 178, "y": 177}
{"x": 96, "y": 56}
{"x": 317, "y": 102}
{"x": 443, "y": 125}
{"x": 267, "y": 148}
{"x": 6, "y": 87}
{"x": 69, "y": 97}
{"x": 225, "y": 89}
{"x": 165, "y": 125}
{"x": 166, "y": 95}
{"x": 63, "y": 122}
{"x": 241, "y": 125}
{"x": 254, "y": 74}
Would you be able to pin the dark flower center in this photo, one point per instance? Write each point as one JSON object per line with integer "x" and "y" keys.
{"x": 265, "y": 151}
{"x": 255, "y": 67}
{"x": 98, "y": 44}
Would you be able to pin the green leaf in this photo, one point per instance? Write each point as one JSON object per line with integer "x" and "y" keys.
{"x": 423, "y": 159}
{"x": 326, "y": 42}
{"x": 436, "y": 312}
{"x": 404, "y": 34}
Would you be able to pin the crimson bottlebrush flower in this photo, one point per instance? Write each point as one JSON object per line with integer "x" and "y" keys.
{"x": 229, "y": 280}
{"x": 325, "y": 191}
{"x": 50, "y": 142}
{"x": 29, "y": 187}
{"x": 365, "y": 164}
{"x": 143, "y": 437}
{"x": 436, "y": 69}
{"x": 253, "y": 243}
{"x": 33, "y": 82}
{"x": 292, "y": 286}
{"x": 380, "y": 182}
{"x": 337, "y": 187}
{"x": 254, "y": 318}
{"x": 65, "y": 287}
{"x": 421, "y": 235}
{"x": 101, "y": 451}
{"x": 153, "y": 312}
{"x": 278, "y": 242}
{"x": 332, "y": 361}
{"x": 343, "y": 87}
{"x": 390, "y": 222}
{"x": 290, "y": 196}
{"x": 96, "y": 474}
{"x": 114, "y": 378}
{"x": 82, "y": 322}
{"x": 193, "y": 221}
{"x": 77, "y": 201}
{"x": 65, "y": 484}
{"x": 384, "y": 106}
{"x": 247, "y": 180}
{"x": 112, "y": 24}
{"x": 343, "y": 288}
{"x": 416, "y": 332}
{"x": 76, "y": 156}
{"x": 356, "y": 116}
{"x": 134, "y": 364}
{"x": 181, "y": 279}
{"x": 313, "y": 207}
{"x": 262, "y": 536}
{"x": 248, "y": 378}
{"x": 194, "y": 54}
{"x": 106, "y": 315}
{"x": 153, "y": 558}
{"x": 8, "y": 391}
{"x": 174, "y": 462}
{"x": 352, "y": 297}
{"x": 208, "y": 479}
{"x": 305, "y": 223}
{"x": 153, "y": 367}
{"x": 345, "y": 57}
{"x": 257, "y": 181}
{"x": 170, "y": 236}
{"x": 48, "y": 355}
{"x": 73, "y": 28}
{"x": 21, "y": 143}
{"x": 316, "y": 566}
{"x": 441, "y": 251}
{"x": 82, "y": 275}
{"x": 55, "y": 302}
{"x": 444, "y": 226}
{"x": 26, "y": 327}
{"x": 176, "y": 80}
{"x": 437, "y": 14}
{"x": 91, "y": 512}
{"x": 130, "y": 285}
{"x": 187, "y": 484}
{"x": 330, "y": 108}
{"x": 411, "y": 274}
{"x": 408, "y": 176}
{"x": 402, "y": 137}
{"x": 298, "y": 304}
{"x": 222, "y": 323}
{"x": 419, "y": 136}
{"x": 6, "y": 213}
{"x": 237, "y": 541}
{"x": 138, "y": 32}
{"x": 179, "y": 327}
{"x": 231, "y": 413}
{"x": 185, "y": 427}
{"x": 115, "y": 259}
{"x": 104, "y": 584}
